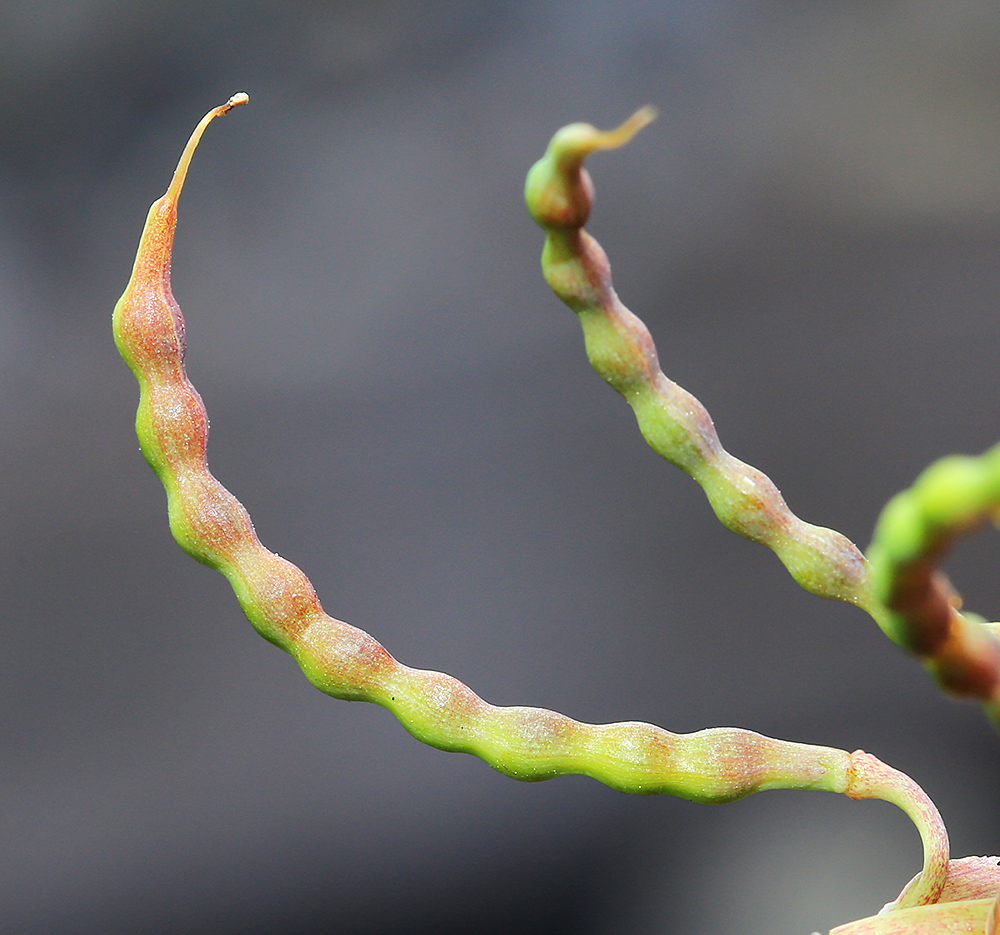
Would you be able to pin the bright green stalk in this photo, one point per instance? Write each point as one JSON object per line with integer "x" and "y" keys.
{"x": 716, "y": 765}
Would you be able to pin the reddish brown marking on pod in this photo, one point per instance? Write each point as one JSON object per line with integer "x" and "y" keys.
{"x": 219, "y": 522}
{"x": 698, "y": 447}
{"x": 352, "y": 659}
{"x": 652, "y": 749}
{"x": 968, "y": 662}
{"x": 565, "y": 202}
{"x": 150, "y": 332}
{"x": 641, "y": 339}
{"x": 540, "y": 732}
{"x": 151, "y": 323}
{"x": 181, "y": 423}
{"x": 157, "y": 244}
{"x": 923, "y": 600}
{"x": 738, "y": 761}
{"x": 595, "y": 263}
{"x": 282, "y": 594}
{"x": 452, "y": 700}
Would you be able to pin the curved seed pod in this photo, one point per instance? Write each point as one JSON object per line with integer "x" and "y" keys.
{"x": 559, "y": 195}
{"x": 917, "y": 527}
{"x": 911, "y": 602}
{"x": 716, "y": 765}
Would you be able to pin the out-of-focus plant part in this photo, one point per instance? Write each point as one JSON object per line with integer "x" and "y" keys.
{"x": 953, "y": 496}
{"x": 716, "y": 765}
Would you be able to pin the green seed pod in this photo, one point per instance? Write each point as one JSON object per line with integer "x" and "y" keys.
{"x": 559, "y": 195}
{"x": 713, "y": 766}
{"x": 914, "y": 605}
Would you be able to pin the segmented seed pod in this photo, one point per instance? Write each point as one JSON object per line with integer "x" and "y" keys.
{"x": 912, "y": 602}
{"x": 559, "y": 195}
{"x": 715, "y": 765}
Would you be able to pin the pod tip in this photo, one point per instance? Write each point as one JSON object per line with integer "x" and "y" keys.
{"x": 240, "y": 97}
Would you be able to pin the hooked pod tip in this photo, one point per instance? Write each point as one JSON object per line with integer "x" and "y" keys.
{"x": 572, "y": 144}
{"x": 177, "y": 182}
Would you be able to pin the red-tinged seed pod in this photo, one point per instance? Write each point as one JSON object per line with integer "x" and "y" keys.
{"x": 910, "y": 600}
{"x": 559, "y": 194}
{"x": 716, "y": 765}
{"x": 148, "y": 325}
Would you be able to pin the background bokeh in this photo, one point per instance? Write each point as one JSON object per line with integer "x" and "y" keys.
{"x": 810, "y": 230}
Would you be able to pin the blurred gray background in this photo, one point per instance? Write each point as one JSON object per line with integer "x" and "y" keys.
{"x": 810, "y": 230}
